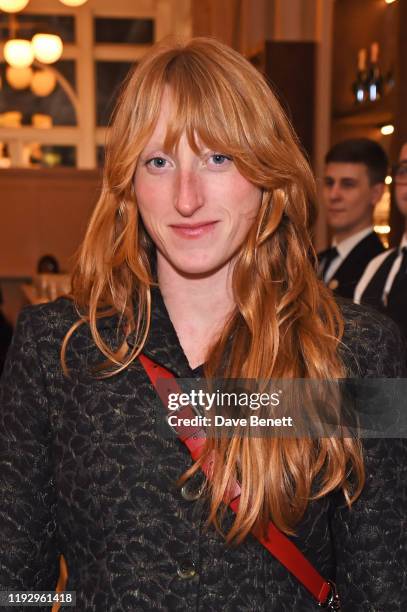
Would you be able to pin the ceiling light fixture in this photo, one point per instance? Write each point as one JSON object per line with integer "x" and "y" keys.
{"x": 73, "y": 2}
{"x": 19, "y": 78}
{"x": 19, "y": 53}
{"x": 386, "y": 130}
{"x": 47, "y": 48}
{"x": 382, "y": 229}
{"x": 42, "y": 49}
{"x": 43, "y": 83}
{"x": 13, "y": 6}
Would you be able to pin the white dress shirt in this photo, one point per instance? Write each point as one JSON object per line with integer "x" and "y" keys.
{"x": 372, "y": 268}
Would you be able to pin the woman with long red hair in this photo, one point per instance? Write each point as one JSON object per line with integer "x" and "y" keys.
{"x": 196, "y": 263}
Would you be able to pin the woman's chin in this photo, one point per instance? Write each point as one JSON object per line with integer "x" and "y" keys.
{"x": 194, "y": 268}
{"x": 197, "y": 271}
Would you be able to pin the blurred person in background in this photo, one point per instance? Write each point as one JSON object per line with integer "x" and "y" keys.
{"x": 384, "y": 282}
{"x": 353, "y": 184}
{"x": 48, "y": 264}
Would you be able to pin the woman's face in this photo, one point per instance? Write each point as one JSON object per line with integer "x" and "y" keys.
{"x": 400, "y": 187}
{"x": 197, "y": 209}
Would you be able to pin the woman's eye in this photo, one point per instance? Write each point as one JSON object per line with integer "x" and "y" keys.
{"x": 156, "y": 162}
{"x": 220, "y": 160}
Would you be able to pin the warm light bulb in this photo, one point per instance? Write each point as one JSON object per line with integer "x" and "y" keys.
{"x": 13, "y": 6}
{"x": 390, "y": 1}
{"x": 73, "y": 2}
{"x": 43, "y": 83}
{"x": 19, "y": 78}
{"x": 11, "y": 119}
{"x": 386, "y": 130}
{"x": 18, "y": 53}
{"x": 39, "y": 120}
{"x": 388, "y": 180}
{"x": 47, "y": 48}
{"x": 382, "y": 229}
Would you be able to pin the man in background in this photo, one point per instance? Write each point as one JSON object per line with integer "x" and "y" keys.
{"x": 384, "y": 282}
{"x": 354, "y": 178}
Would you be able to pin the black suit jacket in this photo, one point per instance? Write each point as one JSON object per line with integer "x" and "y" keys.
{"x": 396, "y": 304}
{"x": 348, "y": 274}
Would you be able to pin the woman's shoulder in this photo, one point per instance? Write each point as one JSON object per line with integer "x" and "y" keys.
{"x": 372, "y": 345}
{"x": 39, "y": 333}
{"x": 45, "y": 326}
{"x": 49, "y": 320}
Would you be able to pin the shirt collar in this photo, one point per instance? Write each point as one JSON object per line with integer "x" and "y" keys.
{"x": 347, "y": 245}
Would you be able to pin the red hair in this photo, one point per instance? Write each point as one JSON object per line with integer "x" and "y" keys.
{"x": 285, "y": 325}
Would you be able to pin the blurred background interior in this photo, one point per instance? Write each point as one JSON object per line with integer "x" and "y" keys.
{"x": 339, "y": 68}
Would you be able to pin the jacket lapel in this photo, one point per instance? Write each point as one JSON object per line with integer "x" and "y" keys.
{"x": 349, "y": 272}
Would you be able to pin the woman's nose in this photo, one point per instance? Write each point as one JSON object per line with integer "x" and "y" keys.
{"x": 188, "y": 194}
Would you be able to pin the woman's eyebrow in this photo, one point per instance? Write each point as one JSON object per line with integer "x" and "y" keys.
{"x": 153, "y": 148}
{"x": 154, "y": 144}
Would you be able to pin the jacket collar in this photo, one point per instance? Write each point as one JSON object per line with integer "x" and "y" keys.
{"x": 162, "y": 344}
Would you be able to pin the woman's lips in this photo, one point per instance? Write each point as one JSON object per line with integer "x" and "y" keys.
{"x": 193, "y": 230}
{"x": 336, "y": 210}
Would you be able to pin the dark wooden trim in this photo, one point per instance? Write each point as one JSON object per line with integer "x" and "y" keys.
{"x": 290, "y": 68}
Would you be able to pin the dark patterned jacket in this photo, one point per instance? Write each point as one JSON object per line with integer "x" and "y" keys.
{"x": 84, "y": 473}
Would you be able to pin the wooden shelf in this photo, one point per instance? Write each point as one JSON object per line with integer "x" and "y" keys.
{"x": 370, "y": 113}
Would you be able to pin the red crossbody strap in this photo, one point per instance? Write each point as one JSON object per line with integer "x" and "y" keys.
{"x": 276, "y": 542}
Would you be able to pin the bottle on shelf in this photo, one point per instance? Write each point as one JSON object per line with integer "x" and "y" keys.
{"x": 389, "y": 81}
{"x": 359, "y": 86}
{"x": 375, "y": 79}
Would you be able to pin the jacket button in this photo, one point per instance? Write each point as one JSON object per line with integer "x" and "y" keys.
{"x": 190, "y": 491}
{"x": 193, "y": 488}
{"x": 186, "y": 571}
